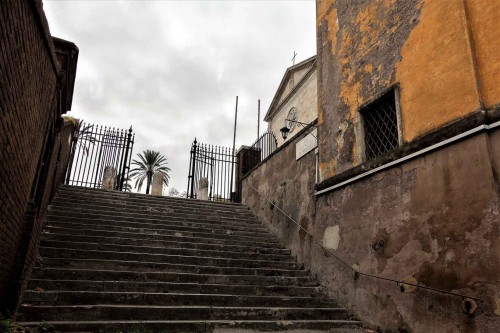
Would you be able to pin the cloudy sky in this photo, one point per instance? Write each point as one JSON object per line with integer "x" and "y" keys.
{"x": 173, "y": 69}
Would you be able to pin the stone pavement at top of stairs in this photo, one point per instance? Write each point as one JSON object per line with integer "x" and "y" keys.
{"x": 337, "y": 330}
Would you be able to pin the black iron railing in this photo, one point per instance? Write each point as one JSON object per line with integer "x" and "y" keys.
{"x": 262, "y": 148}
{"x": 93, "y": 149}
{"x": 218, "y": 166}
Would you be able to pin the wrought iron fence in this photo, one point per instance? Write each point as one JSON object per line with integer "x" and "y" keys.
{"x": 259, "y": 151}
{"x": 96, "y": 147}
{"x": 218, "y": 166}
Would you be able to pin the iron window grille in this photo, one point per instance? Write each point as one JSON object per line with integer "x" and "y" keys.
{"x": 381, "y": 125}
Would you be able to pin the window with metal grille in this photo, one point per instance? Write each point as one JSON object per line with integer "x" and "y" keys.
{"x": 381, "y": 125}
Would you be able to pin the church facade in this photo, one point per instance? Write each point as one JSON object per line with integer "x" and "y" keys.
{"x": 295, "y": 99}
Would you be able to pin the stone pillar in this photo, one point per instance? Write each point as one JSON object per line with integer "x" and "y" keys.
{"x": 108, "y": 178}
{"x": 248, "y": 158}
{"x": 157, "y": 184}
{"x": 203, "y": 189}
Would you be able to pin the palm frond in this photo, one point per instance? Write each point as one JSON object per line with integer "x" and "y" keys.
{"x": 149, "y": 162}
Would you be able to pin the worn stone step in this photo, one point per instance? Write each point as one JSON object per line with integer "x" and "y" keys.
{"x": 194, "y": 216}
{"x": 174, "y": 277}
{"x": 197, "y": 326}
{"x": 283, "y": 263}
{"x": 124, "y": 262}
{"x": 165, "y": 287}
{"x": 148, "y": 312}
{"x": 61, "y": 297}
{"x": 162, "y": 210}
{"x": 179, "y": 237}
{"x": 169, "y": 227}
{"x": 134, "y": 242}
{"x": 97, "y": 229}
{"x": 139, "y": 198}
{"x": 145, "y": 266}
{"x": 179, "y": 251}
{"x": 148, "y": 222}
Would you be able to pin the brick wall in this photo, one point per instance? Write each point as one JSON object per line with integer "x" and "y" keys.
{"x": 29, "y": 136}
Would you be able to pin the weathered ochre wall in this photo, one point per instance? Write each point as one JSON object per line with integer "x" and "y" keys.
{"x": 436, "y": 71}
{"x": 438, "y": 216}
{"x": 485, "y": 27}
{"x": 442, "y": 55}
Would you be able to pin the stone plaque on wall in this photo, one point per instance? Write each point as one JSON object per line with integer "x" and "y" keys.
{"x": 308, "y": 143}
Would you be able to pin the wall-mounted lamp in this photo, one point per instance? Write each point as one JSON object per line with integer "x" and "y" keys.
{"x": 284, "y": 130}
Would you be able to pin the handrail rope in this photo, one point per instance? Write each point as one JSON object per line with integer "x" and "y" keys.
{"x": 357, "y": 272}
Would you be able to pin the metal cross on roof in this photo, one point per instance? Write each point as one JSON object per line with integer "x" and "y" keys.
{"x": 294, "y": 55}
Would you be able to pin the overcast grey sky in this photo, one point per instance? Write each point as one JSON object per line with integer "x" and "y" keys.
{"x": 172, "y": 69}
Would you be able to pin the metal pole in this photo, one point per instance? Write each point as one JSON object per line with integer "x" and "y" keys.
{"x": 193, "y": 158}
{"x": 234, "y": 143}
{"x": 129, "y": 140}
{"x": 258, "y": 120}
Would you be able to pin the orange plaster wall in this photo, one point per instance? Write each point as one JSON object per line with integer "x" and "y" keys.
{"x": 485, "y": 25}
{"x": 436, "y": 72}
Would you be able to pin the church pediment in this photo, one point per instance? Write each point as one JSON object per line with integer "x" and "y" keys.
{"x": 291, "y": 79}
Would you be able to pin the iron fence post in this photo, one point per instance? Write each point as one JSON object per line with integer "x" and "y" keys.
{"x": 193, "y": 163}
{"x": 129, "y": 140}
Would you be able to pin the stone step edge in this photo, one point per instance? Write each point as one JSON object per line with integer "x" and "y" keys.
{"x": 272, "y": 242}
{"x": 152, "y": 226}
{"x": 141, "y": 196}
{"x": 102, "y": 202}
{"x": 180, "y": 307}
{"x": 185, "y": 214}
{"x": 285, "y": 256}
{"x": 290, "y": 260}
{"x": 217, "y": 245}
{"x": 183, "y": 265}
{"x": 179, "y": 294}
{"x": 215, "y": 285}
{"x": 272, "y": 277}
{"x": 146, "y": 218}
{"x": 202, "y": 322}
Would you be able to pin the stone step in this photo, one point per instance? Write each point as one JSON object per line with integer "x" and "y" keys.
{"x": 179, "y": 237}
{"x": 169, "y": 227}
{"x": 179, "y": 251}
{"x": 61, "y": 297}
{"x": 162, "y": 210}
{"x": 193, "y": 216}
{"x": 144, "y": 266}
{"x": 165, "y": 287}
{"x": 156, "y": 223}
{"x": 86, "y": 229}
{"x": 135, "y": 242}
{"x": 174, "y": 277}
{"x": 124, "y": 262}
{"x": 53, "y": 252}
{"x": 139, "y": 198}
{"x": 197, "y": 326}
{"x": 148, "y": 312}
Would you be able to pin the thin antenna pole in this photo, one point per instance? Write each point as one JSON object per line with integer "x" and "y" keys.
{"x": 258, "y": 120}
{"x": 234, "y": 144}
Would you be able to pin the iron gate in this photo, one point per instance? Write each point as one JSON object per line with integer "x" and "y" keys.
{"x": 218, "y": 165}
{"x": 96, "y": 147}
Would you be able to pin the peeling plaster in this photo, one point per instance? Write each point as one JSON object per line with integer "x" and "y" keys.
{"x": 331, "y": 238}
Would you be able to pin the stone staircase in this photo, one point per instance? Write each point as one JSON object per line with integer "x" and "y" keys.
{"x": 122, "y": 262}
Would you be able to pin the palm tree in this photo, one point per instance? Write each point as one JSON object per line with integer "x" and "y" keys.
{"x": 149, "y": 163}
